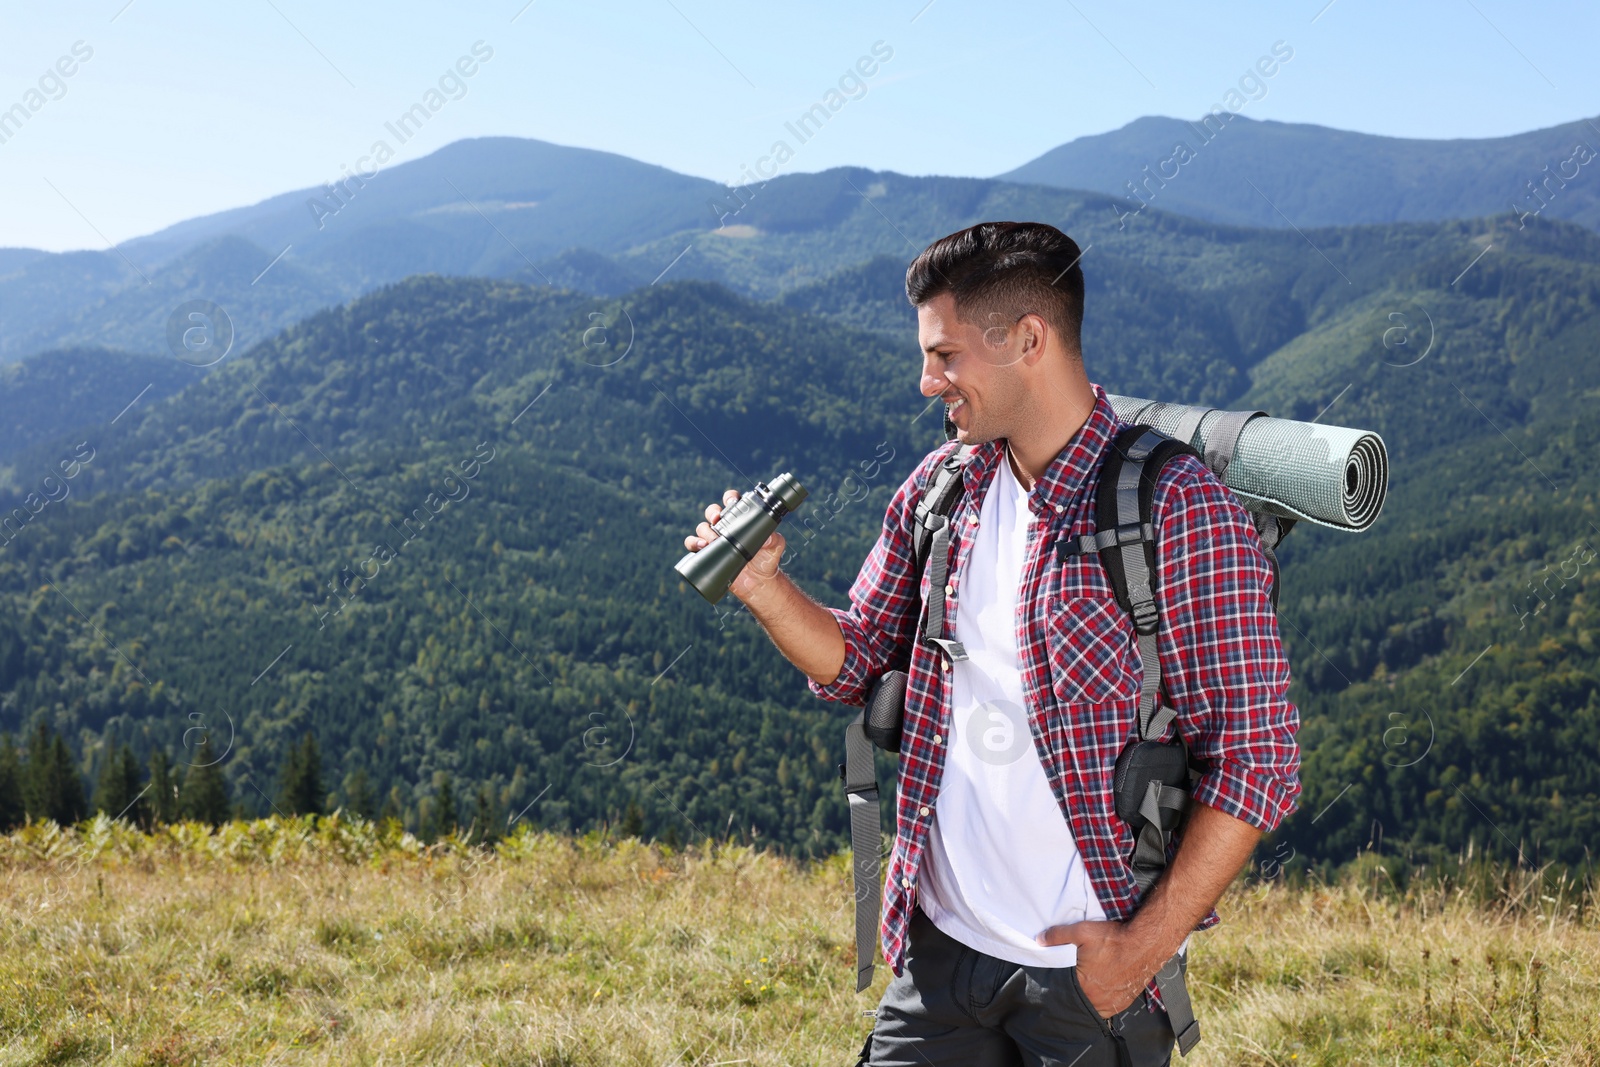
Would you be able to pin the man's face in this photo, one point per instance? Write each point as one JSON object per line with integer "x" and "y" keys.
{"x": 973, "y": 369}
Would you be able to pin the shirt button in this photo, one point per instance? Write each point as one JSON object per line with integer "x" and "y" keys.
{"x": 938, "y": 739}
{"x": 923, "y": 811}
{"x": 905, "y": 883}
{"x": 950, "y": 589}
{"x": 1060, "y": 508}
{"x": 945, "y": 666}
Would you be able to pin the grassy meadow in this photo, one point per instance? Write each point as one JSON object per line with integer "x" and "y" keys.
{"x": 332, "y": 941}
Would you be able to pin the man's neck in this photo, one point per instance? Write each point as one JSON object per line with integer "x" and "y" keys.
{"x": 1022, "y": 476}
{"x": 1033, "y": 448}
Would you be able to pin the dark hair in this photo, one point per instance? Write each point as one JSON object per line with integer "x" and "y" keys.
{"x": 1009, "y": 269}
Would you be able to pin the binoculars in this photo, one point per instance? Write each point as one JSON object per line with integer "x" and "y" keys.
{"x": 741, "y": 531}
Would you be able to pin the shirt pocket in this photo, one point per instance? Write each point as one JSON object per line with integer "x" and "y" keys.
{"x": 1093, "y": 659}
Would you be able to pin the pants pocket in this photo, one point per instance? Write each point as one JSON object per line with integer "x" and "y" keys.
{"x": 1083, "y": 999}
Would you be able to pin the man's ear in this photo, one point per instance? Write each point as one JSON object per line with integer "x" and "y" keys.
{"x": 1033, "y": 333}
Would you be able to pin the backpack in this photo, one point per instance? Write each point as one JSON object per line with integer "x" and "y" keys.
{"x": 1152, "y": 779}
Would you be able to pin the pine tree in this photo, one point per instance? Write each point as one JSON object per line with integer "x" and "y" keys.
{"x": 108, "y": 796}
{"x": 632, "y": 820}
{"x": 117, "y": 793}
{"x": 300, "y": 782}
{"x": 138, "y": 808}
{"x": 204, "y": 792}
{"x": 13, "y": 809}
{"x": 163, "y": 795}
{"x": 313, "y": 797}
{"x": 71, "y": 805}
{"x": 444, "y": 808}
{"x": 289, "y": 774}
{"x": 34, "y": 763}
{"x": 485, "y": 821}
{"x": 358, "y": 795}
{"x": 394, "y": 808}
{"x": 52, "y": 787}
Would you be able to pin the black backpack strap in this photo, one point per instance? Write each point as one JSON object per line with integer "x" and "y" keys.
{"x": 880, "y": 718}
{"x": 1126, "y": 496}
{"x": 861, "y": 790}
{"x": 933, "y": 546}
{"x": 1153, "y": 780}
{"x": 1125, "y": 539}
{"x": 938, "y": 500}
{"x": 1273, "y": 529}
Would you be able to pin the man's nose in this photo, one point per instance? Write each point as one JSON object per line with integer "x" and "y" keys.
{"x": 933, "y": 380}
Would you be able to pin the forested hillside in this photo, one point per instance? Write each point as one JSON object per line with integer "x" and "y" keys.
{"x": 1446, "y": 664}
{"x": 363, "y": 530}
{"x": 46, "y": 398}
{"x": 475, "y": 581}
{"x": 433, "y": 529}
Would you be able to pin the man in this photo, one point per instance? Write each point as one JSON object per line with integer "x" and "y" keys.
{"x": 1012, "y": 921}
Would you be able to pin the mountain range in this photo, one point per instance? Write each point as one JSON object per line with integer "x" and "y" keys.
{"x": 1228, "y": 167}
{"x": 599, "y": 222}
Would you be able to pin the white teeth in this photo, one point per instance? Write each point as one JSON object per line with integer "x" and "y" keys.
{"x": 958, "y": 403}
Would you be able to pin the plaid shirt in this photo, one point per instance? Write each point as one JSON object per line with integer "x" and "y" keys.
{"x": 1222, "y": 662}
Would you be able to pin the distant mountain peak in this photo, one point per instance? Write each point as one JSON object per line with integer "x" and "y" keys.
{"x": 1309, "y": 175}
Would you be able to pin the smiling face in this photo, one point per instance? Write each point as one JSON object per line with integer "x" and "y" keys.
{"x": 980, "y": 373}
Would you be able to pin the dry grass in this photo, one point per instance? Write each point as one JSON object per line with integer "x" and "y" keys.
{"x": 284, "y": 942}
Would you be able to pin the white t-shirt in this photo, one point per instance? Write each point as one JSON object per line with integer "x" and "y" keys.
{"x": 1001, "y": 864}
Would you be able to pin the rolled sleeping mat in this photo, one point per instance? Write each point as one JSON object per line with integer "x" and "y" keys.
{"x": 1333, "y": 476}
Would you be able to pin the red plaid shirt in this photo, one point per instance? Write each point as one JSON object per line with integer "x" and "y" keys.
{"x": 1222, "y": 661}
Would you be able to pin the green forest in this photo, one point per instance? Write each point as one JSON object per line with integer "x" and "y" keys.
{"x": 412, "y": 556}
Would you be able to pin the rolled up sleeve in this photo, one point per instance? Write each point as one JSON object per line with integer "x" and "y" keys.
{"x": 1222, "y": 654}
{"x": 885, "y": 598}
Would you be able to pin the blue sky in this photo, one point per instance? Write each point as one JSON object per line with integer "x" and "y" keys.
{"x": 187, "y": 108}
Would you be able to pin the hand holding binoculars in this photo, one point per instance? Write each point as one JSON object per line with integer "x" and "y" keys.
{"x": 740, "y": 532}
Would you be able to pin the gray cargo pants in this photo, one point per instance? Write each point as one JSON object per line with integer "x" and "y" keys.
{"x": 955, "y": 1005}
